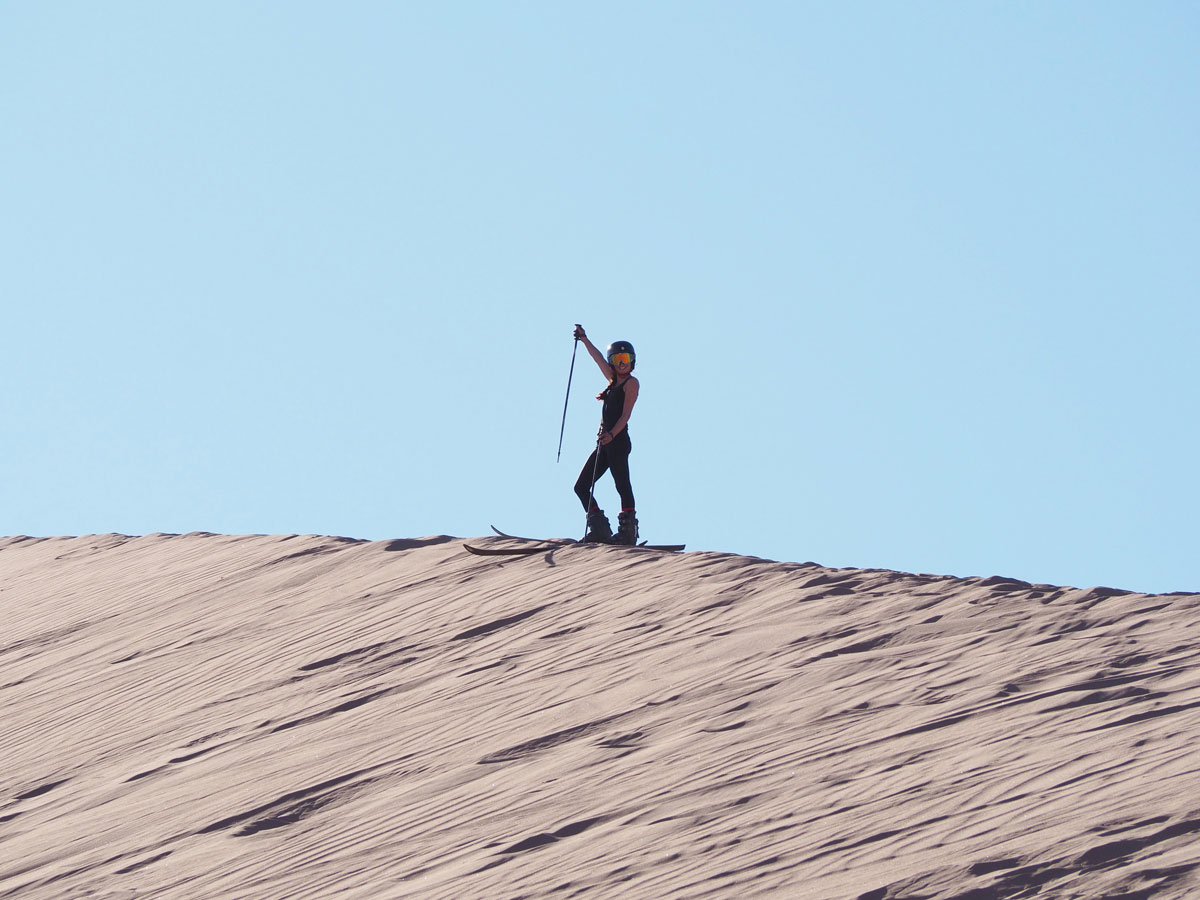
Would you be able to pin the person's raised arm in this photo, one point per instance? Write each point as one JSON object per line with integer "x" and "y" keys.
{"x": 595, "y": 353}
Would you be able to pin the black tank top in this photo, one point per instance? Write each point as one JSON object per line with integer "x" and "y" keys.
{"x": 614, "y": 404}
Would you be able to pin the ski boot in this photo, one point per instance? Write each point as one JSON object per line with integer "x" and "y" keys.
{"x": 627, "y": 528}
{"x": 599, "y": 531}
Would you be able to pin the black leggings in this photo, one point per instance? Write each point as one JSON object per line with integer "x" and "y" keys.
{"x": 614, "y": 457}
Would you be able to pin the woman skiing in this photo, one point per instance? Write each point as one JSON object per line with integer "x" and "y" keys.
{"x": 613, "y": 445}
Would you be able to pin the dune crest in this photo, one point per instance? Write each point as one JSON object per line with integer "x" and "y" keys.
{"x": 267, "y": 716}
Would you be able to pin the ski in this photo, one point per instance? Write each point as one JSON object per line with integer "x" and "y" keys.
{"x": 673, "y": 548}
{"x": 550, "y": 544}
{"x": 507, "y": 551}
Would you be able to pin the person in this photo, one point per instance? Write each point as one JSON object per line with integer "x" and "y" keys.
{"x": 613, "y": 444}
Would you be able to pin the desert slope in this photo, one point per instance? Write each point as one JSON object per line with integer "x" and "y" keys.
{"x": 206, "y": 716}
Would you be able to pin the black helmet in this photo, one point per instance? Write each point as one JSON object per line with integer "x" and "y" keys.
{"x": 621, "y": 347}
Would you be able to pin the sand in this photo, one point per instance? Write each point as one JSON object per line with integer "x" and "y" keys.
{"x": 210, "y": 716}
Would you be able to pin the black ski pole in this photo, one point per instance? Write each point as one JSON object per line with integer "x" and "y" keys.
{"x": 592, "y": 489}
{"x": 570, "y": 375}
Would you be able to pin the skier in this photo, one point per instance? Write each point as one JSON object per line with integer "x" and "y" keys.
{"x": 613, "y": 445}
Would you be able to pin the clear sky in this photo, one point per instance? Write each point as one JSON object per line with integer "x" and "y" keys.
{"x": 913, "y": 285}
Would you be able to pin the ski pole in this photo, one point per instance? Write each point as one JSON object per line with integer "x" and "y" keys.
{"x": 595, "y": 469}
{"x": 570, "y": 374}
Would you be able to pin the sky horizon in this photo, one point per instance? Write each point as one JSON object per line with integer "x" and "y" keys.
{"x": 912, "y": 286}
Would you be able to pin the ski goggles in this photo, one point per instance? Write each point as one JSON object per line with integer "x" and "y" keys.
{"x": 618, "y": 358}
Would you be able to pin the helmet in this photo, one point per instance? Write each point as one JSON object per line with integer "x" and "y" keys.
{"x": 621, "y": 347}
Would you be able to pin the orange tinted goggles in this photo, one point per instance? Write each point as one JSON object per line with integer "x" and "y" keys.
{"x": 621, "y": 358}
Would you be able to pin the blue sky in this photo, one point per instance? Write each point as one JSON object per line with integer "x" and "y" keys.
{"x": 913, "y": 285}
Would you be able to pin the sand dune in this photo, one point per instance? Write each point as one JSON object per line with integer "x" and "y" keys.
{"x": 206, "y": 716}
